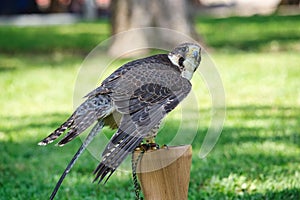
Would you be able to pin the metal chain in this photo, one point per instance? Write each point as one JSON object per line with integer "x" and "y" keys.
{"x": 137, "y": 187}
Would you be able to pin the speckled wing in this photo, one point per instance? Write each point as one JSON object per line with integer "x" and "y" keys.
{"x": 144, "y": 94}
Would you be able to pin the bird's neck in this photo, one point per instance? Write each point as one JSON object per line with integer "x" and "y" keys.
{"x": 188, "y": 68}
{"x": 174, "y": 60}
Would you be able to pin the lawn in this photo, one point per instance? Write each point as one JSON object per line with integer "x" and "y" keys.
{"x": 256, "y": 157}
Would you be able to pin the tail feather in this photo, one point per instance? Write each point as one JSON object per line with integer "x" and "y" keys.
{"x": 55, "y": 134}
{"x": 70, "y": 136}
{"x": 80, "y": 124}
{"x": 101, "y": 171}
{"x": 114, "y": 154}
{"x": 94, "y": 108}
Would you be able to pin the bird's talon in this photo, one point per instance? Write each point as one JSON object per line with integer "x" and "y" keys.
{"x": 154, "y": 146}
{"x": 142, "y": 147}
{"x": 147, "y": 146}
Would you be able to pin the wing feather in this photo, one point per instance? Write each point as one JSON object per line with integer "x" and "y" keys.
{"x": 143, "y": 110}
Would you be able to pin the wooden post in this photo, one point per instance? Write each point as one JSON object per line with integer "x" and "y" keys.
{"x": 165, "y": 173}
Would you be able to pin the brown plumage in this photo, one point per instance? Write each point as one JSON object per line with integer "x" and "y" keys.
{"x": 135, "y": 98}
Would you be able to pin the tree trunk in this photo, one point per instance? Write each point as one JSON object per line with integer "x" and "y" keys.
{"x": 90, "y": 10}
{"x": 131, "y": 14}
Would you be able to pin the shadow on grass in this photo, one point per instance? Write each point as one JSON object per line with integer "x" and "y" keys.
{"x": 29, "y": 171}
{"x": 234, "y": 33}
{"x": 259, "y": 123}
{"x": 293, "y": 193}
{"x": 79, "y": 38}
{"x": 273, "y": 41}
{"x": 36, "y": 122}
{"x": 252, "y": 33}
{"x": 7, "y": 69}
{"x": 259, "y": 146}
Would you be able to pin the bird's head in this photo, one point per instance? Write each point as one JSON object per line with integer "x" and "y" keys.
{"x": 187, "y": 57}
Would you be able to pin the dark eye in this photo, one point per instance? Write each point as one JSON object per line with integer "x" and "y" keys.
{"x": 180, "y": 61}
{"x": 184, "y": 49}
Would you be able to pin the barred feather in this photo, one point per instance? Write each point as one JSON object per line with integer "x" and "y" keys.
{"x": 94, "y": 108}
{"x": 114, "y": 154}
{"x": 55, "y": 134}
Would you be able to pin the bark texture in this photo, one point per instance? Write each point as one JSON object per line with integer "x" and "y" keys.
{"x": 176, "y": 15}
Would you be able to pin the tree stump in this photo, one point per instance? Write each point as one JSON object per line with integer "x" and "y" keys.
{"x": 165, "y": 173}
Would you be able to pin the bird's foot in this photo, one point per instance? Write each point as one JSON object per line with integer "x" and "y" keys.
{"x": 153, "y": 146}
{"x": 150, "y": 146}
{"x": 147, "y": 146}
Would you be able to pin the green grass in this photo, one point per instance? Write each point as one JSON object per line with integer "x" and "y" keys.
{"x": 256, "y": 157}
{"x": 257, "y": 33}
{"x": 78, "y": 38}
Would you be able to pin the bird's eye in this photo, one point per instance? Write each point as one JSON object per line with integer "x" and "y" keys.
{"x": 180, "y": 61}
{"x": 184, "y": 49}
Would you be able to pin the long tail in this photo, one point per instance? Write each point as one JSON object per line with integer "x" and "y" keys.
{"x": 96, "y": 129}
{"x": 94, "y": 108}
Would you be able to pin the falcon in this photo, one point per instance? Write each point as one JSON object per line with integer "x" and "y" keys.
{"x": 134, "y": 99}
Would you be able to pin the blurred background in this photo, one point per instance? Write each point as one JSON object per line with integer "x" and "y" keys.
{"x": 254, "y": 44}
{"x": 100, "y": 8}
